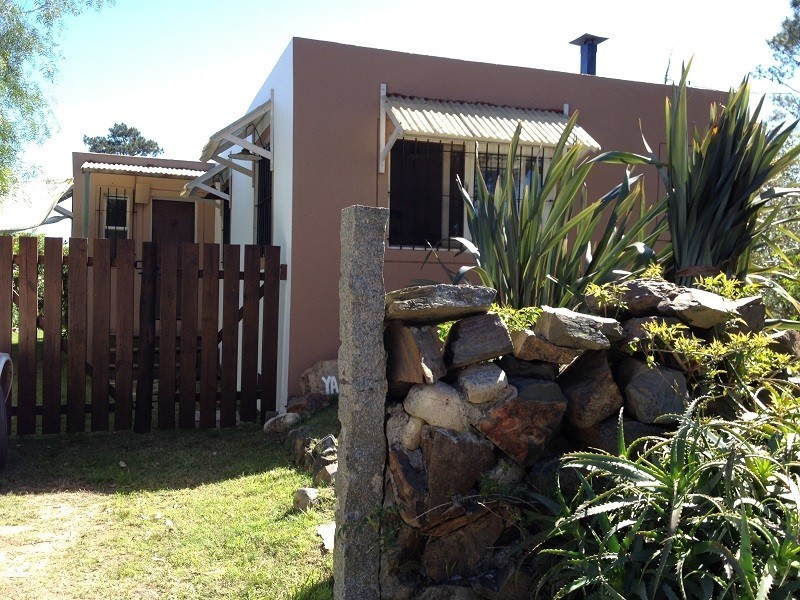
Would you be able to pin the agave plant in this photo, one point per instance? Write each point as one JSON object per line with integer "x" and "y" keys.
{"x": 546, "y": 246}
{"x": 711, "y": 511}
{"x": 713, "y": 181}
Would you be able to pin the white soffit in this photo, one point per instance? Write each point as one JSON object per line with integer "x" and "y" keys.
{"x": 448, "y": 120}
{"x": 202, "y": 183}
{"x": 235, "y": 134}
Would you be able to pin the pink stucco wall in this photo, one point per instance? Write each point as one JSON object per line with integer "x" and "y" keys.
{"x": 336, "y": 119}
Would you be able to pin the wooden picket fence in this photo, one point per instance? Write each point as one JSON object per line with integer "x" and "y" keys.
{"x": 178, "y": 361}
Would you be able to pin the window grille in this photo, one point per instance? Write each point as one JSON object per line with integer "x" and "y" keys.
{"x": 264, "y": 203}
{"x": 115, "y": 215}
{"x": 426, "y": 206}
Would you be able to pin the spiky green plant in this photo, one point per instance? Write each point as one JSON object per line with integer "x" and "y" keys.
{"x": 548, "y": 245}
{"x": 715, "y": 210}
{"x": 711, "y": 511}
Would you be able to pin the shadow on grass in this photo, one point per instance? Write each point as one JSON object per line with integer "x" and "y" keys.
{"x": 120, "y": 462}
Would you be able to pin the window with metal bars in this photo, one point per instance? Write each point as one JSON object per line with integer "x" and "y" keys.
{"x": 263, "y": 208}
{"x": 425, "y": 202}
{"x": 115, "y": 215}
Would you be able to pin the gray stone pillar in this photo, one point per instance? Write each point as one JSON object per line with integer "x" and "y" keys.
{"x": 362, "y": 395}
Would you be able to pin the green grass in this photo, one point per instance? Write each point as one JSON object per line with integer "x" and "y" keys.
{"x": 191, "y": 514}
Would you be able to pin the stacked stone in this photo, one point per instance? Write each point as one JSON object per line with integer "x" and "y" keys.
{"x": 499, "y": 405}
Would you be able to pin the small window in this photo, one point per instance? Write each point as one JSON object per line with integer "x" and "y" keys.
{"x": 115, "y": 217}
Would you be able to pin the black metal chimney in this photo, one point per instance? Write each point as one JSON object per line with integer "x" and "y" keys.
{"x": 588, "y": 44}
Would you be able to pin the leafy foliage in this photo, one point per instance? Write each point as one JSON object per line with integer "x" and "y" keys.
{"x": 711, "y": 511}
{"x": 734, "y": 368}
{"x": 28, "y": 51}
{"x": 713, "y": 180}
{"x": 538, "y": 249}
{"x": 122, "y": 139}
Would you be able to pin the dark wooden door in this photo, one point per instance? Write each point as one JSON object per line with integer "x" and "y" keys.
{"x": 173, "y": 221}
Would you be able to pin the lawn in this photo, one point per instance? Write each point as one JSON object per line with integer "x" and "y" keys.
{"x": 171, "y": 514}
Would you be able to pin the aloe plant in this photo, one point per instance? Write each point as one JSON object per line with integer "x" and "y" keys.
{"x": 546, "y": 246}
{"x": 713, "y": 181}
{"x": 711, "y": 511}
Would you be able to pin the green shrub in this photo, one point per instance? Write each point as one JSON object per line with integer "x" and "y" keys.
{"x": 711, "y": 511}
{"x": 540, "y": 248}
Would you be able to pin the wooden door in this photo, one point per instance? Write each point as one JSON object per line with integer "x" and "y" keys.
{"x": 173, "y": 221}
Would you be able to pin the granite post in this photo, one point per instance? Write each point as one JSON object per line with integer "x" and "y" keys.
{"x": 362, "y": 396}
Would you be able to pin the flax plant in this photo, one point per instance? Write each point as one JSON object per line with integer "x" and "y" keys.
{"x": 715, "y": 210}
{"x": 546, "y": 246}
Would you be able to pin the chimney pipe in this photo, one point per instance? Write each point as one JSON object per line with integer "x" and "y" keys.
{"x": 588, "y": 44}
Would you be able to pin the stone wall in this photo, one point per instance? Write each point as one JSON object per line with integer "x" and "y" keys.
{"x": 492, "y": 409}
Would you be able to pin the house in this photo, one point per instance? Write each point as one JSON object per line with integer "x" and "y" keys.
{"x": 138, "y": 197}
{"x": 335, "y": 125}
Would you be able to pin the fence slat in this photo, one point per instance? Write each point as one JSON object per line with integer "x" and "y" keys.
{"x": 210, "y": 321}
{"x": 76, "y": 335}
{"x": 269, "y": 338}
{"x": 230, "y": 336}
{"x": 147, "y": 333}
{"x": 169, "y": 329}
{"x": 123, "y": 344}
{"x": 28, "y": 308}
{"x": 249, "y": 358}
{"x": 6, "y": 306}
{"x": 6, "y": 291}
{"x": 51, "y": 371}
{"x": 188, "y": 368}
{"x": 101, "y": 323}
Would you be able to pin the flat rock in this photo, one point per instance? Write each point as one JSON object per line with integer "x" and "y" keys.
{"x": 651, "y": 393}
{"x": 484, "y": 382}
{"x": 522, "y": 426}
{"x": 305, "y": 499}
{"x": 282, "y": 423}
{"x": 409, "y": 483}
{"x": 437, "y": 404}
{"x": 327, "y": 531}
{"x": 603, "y": 435}
{"x": 698, "y": 308}
{"x": 461, "y": 552}
{"x": 637, "y": 298}
{"x": 446, "y": 592}
{"x": 476, "y": 339}
{"x": 453, "y": 463}
{"x": 438, "y": 303}
{"x": 534, "y": 369}
{"x": 326, "y": 475}
{"x": 591, "y": 392}
{"x": 786, "y": 342}
{"x": 530, "y": 346}
{"x": 570, "y": 329}
{"x": 322, "y": 378}
{"x": 752, "y": 312}
{"x": 633, "y": 329}
{"x": 413, "y": 354}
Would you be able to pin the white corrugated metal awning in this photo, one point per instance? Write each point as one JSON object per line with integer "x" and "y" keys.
{"x": 122, "y": 168}
{"x": 236, "y": 133}
{"x": 450, "y": 120}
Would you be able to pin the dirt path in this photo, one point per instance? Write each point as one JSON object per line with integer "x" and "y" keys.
{"x": 36, "y": 540}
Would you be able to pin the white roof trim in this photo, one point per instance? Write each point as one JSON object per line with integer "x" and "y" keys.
{"x": 199, "y": 183}
{"x": 445, "y": 120}
{"x": 231, "y": 135}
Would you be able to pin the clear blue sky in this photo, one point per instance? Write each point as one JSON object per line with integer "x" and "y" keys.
{"x": 180, "y": 70}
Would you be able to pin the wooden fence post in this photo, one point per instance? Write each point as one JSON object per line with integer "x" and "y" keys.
{"x": 147, "y": 339}
{"x": 51, "y": 371}
{"x": 26, "y": 361}
{"x": 76, "y": 334}
{"x": 269, "y": 341}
